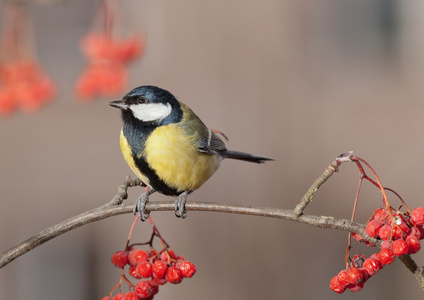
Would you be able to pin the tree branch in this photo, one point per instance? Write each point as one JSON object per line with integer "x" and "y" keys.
{"x": 109, "y": 210}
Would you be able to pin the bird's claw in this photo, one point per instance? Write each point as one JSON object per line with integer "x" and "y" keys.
{"x": 180, "y": 209}
{"x": 140, "y": 205}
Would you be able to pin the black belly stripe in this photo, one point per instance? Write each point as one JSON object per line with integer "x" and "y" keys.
{"x": 154, "y": 179}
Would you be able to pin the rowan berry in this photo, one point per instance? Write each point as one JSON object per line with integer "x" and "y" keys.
{"x": 376, "y": 257}
{"x": 336, "y": 286}
{"x": 173, "y": 275}
{"x": 133, "y": 272}
{"x": 136, "y": 256}
{"x": 120, "y": 258}
{"x": 155, "y": 285}
{"x": 379, "y": 215}
{"x": 159, "y": 269}
{"x": 417, "y": 216}
{"x": 160, "y": 281}
{"x": 384, "y": 232}
{"x": 354, "y": 276}
{"x": 342, "y": 277}
{"x": 107, "y": 298}
{"x": 400, "y": 247}
{"x": 188, "y": 269}
{"x": 144, "y": 289}
{"x": 355, "y": 287}
{"x": 386, "y": 256}
{"x": 413, "y": 243}
{"x": 119, "y": 296}
{"x": 372, "y": 228}
{"x": 144, "y": 269}
{"x": 131, "y": 296}
{"x": 371, "y": 266}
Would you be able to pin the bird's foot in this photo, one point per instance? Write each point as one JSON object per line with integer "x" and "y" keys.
{"x": 140, "y": 205}
{"x": 180, "y": 210}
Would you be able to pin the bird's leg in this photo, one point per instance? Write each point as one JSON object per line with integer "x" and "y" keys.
{"x": 180, "y": 210}
{"x": 140, "y": 204}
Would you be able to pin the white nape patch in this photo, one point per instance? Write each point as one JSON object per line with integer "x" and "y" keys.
{"x": 151, "y": 111}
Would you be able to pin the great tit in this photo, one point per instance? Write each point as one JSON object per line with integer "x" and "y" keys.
{"x": 168, "y": 147}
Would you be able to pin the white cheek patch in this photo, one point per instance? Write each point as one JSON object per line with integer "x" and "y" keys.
{"x": 151, "y": 111}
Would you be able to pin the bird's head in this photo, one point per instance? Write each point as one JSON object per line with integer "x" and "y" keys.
{"x": 149, "y": 105}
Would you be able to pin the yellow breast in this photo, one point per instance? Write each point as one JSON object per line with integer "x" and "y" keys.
{"x": 174, "y": 157}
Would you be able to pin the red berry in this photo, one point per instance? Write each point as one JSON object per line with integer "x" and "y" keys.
{"x": 372, "y": 228}
{"x": 377, "y": 258}
{"x": 107, "y": 298}
{"x": 371, "y": 266}
{"x": 416, "y": 231}
{"x": 159, "y": 269}
{"x": 413, "y": 243}
{"x": 137, "y": 255}
{"x": 342, "y": 277}
{"x": 120, "y": 258}
{"x": 133, "y": 272}
{"x": 144, "y": 289}
{"x": 386, "y": 256}
{"x": 336, "y": 286}
{"x": 155, "y": 285}
{"x": 144, "y": 269}
{"x": 379, "y": 215}
{"x": 356, "y": 287}
{"x": 400, "y": 247}
{"x": 119, "y": 296}
{"x": 417, "y": 216}
{"x": 131, "y": 296}
{"x": 187, "y": 269}
{"x": 173, "y": 275}
{"x": 354, "y": 276}
{"x": 384, "y": 232}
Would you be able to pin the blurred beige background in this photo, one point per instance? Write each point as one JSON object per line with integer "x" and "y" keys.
{"x": 300, "y": 81}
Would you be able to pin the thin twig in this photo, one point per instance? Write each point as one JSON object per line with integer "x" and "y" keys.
{"x": 311, "y": 192}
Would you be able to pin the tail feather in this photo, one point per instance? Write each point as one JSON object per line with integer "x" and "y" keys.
{"x": 244, "y": 156}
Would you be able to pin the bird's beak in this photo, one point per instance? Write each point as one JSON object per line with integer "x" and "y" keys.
{"x": 118, "y": 104}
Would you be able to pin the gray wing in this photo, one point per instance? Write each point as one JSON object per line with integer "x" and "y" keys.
{"x": 211, "y": 143}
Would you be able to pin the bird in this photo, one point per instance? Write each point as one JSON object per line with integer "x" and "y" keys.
{"x": 168, "y": 147}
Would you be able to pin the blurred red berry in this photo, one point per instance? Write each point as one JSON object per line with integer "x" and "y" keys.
{"x": 120, "y": 259}
{"x": 336, "y": 286}
{"x": 417, "y": 216}
{"x": 155, "y": 285}
{"x": 188, "y": 269}
{"x": 144, "y": 289}
{"x": 160, "y": 281}
{"x": 400, "y": 247}
{"x": 159, "y": 269}
{"x": 107, "y": 298}
{"x": 173, "y": 275}
{"x": 372, "y": 228}
{"x": 386, "y": 256}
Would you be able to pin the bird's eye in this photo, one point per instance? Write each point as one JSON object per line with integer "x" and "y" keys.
{"x": 141, "y": 101}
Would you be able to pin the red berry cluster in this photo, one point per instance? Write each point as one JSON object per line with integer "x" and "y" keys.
{"x": 401, "y": 234}
{"x": 150, "y": 267}
{"x": 108, "y": 56}
{"x": 24, "y": 85}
